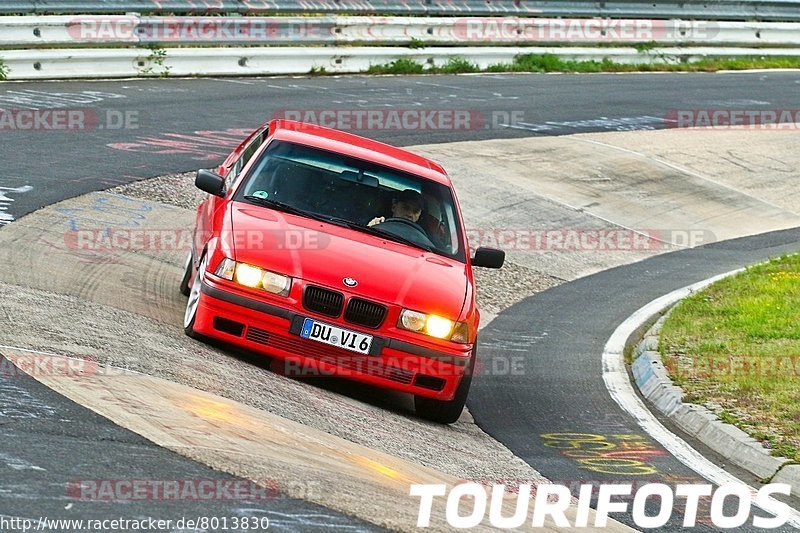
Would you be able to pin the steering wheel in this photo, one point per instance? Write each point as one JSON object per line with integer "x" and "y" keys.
{"x": 407, "y": 222}
{"x": 403, "y": 225}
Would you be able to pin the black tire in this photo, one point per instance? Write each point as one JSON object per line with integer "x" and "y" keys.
{"x": 187, "y": 276}
{"x": 444, "y": 411}
{"x": 194, "y": 299}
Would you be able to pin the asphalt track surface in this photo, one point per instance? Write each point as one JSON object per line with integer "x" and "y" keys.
{"x": 50, "y": 447}
{"x": 559, "y": 333}
{"x": 559, "y": 336}
{"x": 60, "y": 165}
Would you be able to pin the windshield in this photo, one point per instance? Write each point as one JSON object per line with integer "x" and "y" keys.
{"x": 370, "y": 197}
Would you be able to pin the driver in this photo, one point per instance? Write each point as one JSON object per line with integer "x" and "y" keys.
{"x": 407, "y": 204}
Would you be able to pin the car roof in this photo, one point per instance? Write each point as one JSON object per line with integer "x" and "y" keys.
{"x": 359, "y": 147}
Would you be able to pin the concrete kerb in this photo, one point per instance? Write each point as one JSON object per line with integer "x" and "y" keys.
{"x": 788, "y": 474}
{"x": 652, "y": 380}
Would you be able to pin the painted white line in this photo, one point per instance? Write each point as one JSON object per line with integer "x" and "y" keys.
{"x": 619, "y": 386}
{"x": 30, "y": 99}
{"x": 17, "y": 463}
{"x": 239, "y": 82}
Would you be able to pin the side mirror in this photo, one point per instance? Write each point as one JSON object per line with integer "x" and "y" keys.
{"x": 209, "y": 182}
{"x": 489, "y": 258}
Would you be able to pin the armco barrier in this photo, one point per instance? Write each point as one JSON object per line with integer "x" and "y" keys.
{"x": 774, "y": 10}
{"x": 115, "y": 30}
{"x": 129, "y": 62}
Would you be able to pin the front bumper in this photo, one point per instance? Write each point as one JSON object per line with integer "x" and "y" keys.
{"x": 273, "y": 330}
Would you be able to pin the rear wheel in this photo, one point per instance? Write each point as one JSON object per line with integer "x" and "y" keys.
{"x": 447, "y": 411}
{"x": 193, "y": 303}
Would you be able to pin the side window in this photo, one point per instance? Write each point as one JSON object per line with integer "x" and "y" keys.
{"x": 247, "y": 153}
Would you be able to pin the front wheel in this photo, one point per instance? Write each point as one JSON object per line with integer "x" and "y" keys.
{"x": 187, "y": 277}
{"x": 193, "y": 303}
{"x": 447, "y": 411}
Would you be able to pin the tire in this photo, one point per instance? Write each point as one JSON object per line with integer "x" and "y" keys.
{"x": 447, "y": 411}
{"x": 187, "y": 276}
{"x": 193, "y": 302}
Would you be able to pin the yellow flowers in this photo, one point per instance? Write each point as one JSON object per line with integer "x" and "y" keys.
{"x": 784, "y": 276}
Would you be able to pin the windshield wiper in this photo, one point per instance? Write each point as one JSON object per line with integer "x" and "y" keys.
{"x": 286, "y": 208}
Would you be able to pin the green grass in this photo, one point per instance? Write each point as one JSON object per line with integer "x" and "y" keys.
{"x": 458, "y": 65}
{"x": 553, "y": 63}
{"x": 455, "y": 65}
{"x": 398, "y": 66}
{"x": 736, "y": 346}
{"x": 156, "y": 62}
{"x": 3, "y": 70}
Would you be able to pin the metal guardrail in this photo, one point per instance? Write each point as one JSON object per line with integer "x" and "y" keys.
{"x": 744, "y": 10}
{"x": 248, "y": 61}
{"x": 108, "y": 45}
{"x": 117, "y": 30}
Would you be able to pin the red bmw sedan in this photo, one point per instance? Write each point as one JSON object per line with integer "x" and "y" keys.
{"x": 340, "y": 256}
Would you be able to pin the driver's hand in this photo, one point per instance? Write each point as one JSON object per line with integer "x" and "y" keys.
{"x": 376, "y": 220}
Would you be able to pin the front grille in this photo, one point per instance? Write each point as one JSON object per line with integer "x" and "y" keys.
{"x": 343, "y": 359}
{"x": 323, "y": 301}
{"x": 257, "y": 335}
{"x": 365, "y": 313}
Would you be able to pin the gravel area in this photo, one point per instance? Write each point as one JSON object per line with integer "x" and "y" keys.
{"x": 383, "y": 421}
{"x": 68, "y": 325}
{"x": 499, "y": 289}
{"x": 171, "y": 189}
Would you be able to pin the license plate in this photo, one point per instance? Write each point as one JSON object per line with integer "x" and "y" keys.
{"x": 336, "y": 336}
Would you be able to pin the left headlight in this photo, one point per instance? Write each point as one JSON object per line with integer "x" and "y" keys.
{"x": 253, "y": 276}
{"x": 433, "y": 325}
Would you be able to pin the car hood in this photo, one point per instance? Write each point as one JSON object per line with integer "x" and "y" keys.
{"x": 326, "y": 254}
